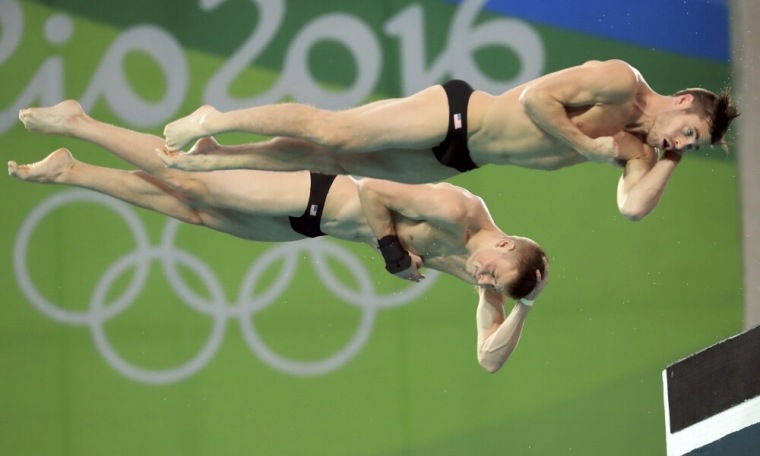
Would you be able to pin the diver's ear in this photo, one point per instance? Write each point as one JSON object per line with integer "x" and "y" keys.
{"x": 684, "y": 101}
{"x": 506, "y": 243}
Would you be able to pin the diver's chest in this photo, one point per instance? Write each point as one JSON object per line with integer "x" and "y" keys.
{"x": 601, "y": 120}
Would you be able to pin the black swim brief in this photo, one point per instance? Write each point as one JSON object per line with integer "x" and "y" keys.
{"x": 453, "y": 151}
{"x": 308, "y": 223}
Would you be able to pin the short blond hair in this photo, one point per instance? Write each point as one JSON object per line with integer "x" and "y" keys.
{"x": 530, "y": 258}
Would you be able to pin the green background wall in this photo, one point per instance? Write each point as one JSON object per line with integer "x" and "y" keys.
{"x": 625, "y": 299}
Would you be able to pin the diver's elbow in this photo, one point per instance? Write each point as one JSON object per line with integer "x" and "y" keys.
{"x": 634, "y": 214}
{"x": 489, "y": 364}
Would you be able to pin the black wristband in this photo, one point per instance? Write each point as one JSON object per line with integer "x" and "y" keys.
{"x": 396, "y": 258}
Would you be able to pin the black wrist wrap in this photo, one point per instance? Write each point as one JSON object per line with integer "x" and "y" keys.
{"x": 396, "y": 258}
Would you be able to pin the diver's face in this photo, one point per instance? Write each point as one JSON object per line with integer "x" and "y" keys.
{"x": 679, "y": 131}
{"x": 493, "y": 268}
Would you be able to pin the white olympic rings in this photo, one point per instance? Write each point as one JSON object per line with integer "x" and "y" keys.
{"x": 216, "y": 305}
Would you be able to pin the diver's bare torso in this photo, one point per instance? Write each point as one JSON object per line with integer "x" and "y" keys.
{"x": 447, "y": 242}
{"x": 440, "y": 249}
{"x": 502, "y": 133}
{"x": 343, "y": 217}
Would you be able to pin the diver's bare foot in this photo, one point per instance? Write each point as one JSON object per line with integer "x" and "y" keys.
{"x": 206, "y": 145}
{"x": 198, "y": 158}
{"x": 183, "y": 131}
{"x": 56, "y": 119}
{"x": 48, "y": 170}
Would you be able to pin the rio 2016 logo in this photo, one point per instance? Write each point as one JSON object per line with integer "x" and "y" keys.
{"x": 295, "y": 81}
